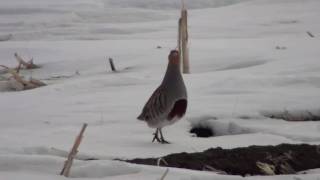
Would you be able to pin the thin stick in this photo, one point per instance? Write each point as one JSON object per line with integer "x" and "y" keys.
{"x": 68, "y": 163}
{"x": 164, "y": 174}
{"x": 5, "y": 67}
{"x": 27, "y": 65}
{"x": 37, "y": 82}
{"x": 17, "y": 77}
{"x": 159, "y": 161}
{"x": 310, "y": 34}
{"x": 112, "y": 65}
{"x": 18, "y": 68}
{"x": 5, "y": 70}
{"x": 210, "y": 168}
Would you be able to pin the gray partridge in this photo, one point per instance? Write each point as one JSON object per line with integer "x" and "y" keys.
{"x": 168, "y": 103}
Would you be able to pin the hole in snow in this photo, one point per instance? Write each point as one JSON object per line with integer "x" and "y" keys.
{"x": 202, "y": 131}
{"x": 212, "y": 127}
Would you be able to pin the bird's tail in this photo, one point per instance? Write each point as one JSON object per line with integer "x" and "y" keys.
{"x": 140, "y": 117}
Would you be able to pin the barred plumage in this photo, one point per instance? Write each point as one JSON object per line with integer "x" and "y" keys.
{"x": 168, "y": 103}
{"x": 154, "y": 107}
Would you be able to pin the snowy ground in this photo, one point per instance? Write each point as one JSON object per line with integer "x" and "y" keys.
{"x": 238, "y": 74}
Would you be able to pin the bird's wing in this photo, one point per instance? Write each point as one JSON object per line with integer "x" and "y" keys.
{"x": 156, "y": 106}
{"x": 179, "y": 109}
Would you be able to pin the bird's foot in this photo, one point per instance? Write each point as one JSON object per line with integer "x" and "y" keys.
{"x": 164, "y": 141}
{"x": 156, "y": 137}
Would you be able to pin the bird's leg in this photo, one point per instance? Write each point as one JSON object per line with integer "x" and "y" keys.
{"x": 162, "y": 138}
{"x": 156, "y": 137}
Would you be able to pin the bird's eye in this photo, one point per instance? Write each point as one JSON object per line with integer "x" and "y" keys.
{"x": 175, "y": 53}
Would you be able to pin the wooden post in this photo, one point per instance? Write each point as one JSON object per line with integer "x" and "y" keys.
{"x": 112, "y": 65}
{"x": 184, "y": 40}
{"x": 68, "y": 163}
{"x": 179, "y": 43}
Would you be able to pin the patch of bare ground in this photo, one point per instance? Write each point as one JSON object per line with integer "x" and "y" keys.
{"x": 252, "y": 160}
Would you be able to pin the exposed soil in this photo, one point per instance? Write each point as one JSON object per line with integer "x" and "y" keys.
{"x": 252, "y": 160}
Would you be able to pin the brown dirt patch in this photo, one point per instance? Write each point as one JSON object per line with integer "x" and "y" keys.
{"x": 252, "y": 160}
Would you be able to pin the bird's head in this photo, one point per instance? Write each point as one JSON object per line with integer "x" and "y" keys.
{"x": 174, "y": 57}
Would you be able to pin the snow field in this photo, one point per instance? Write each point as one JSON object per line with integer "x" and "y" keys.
{"x": 238, "y": 74}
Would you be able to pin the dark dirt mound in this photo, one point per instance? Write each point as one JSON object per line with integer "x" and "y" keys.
{"x": 252, "y": 160}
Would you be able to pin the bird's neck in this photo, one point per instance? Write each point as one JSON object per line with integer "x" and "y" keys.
{"x": 173, "y": 73}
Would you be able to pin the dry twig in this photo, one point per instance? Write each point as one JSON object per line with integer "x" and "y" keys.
{"x": 20, "y": 83}
{"x": 112, "y": 65}
{"x": 310, "y": 34}
{"x": 27, "y": 65}
{"x": 164, "y": 174}
{"x": 68, "y": 163}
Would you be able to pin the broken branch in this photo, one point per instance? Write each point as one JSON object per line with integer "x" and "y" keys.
{"x": 20, "y": 83}
{"x": 68, "y": 163}
{"x": 310, "y": 34}
{"x": 16, "y": 75}
{"x": 27, "y": 65}
{"x": 112, "y": 65}
{"x": 164, "y": 174}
